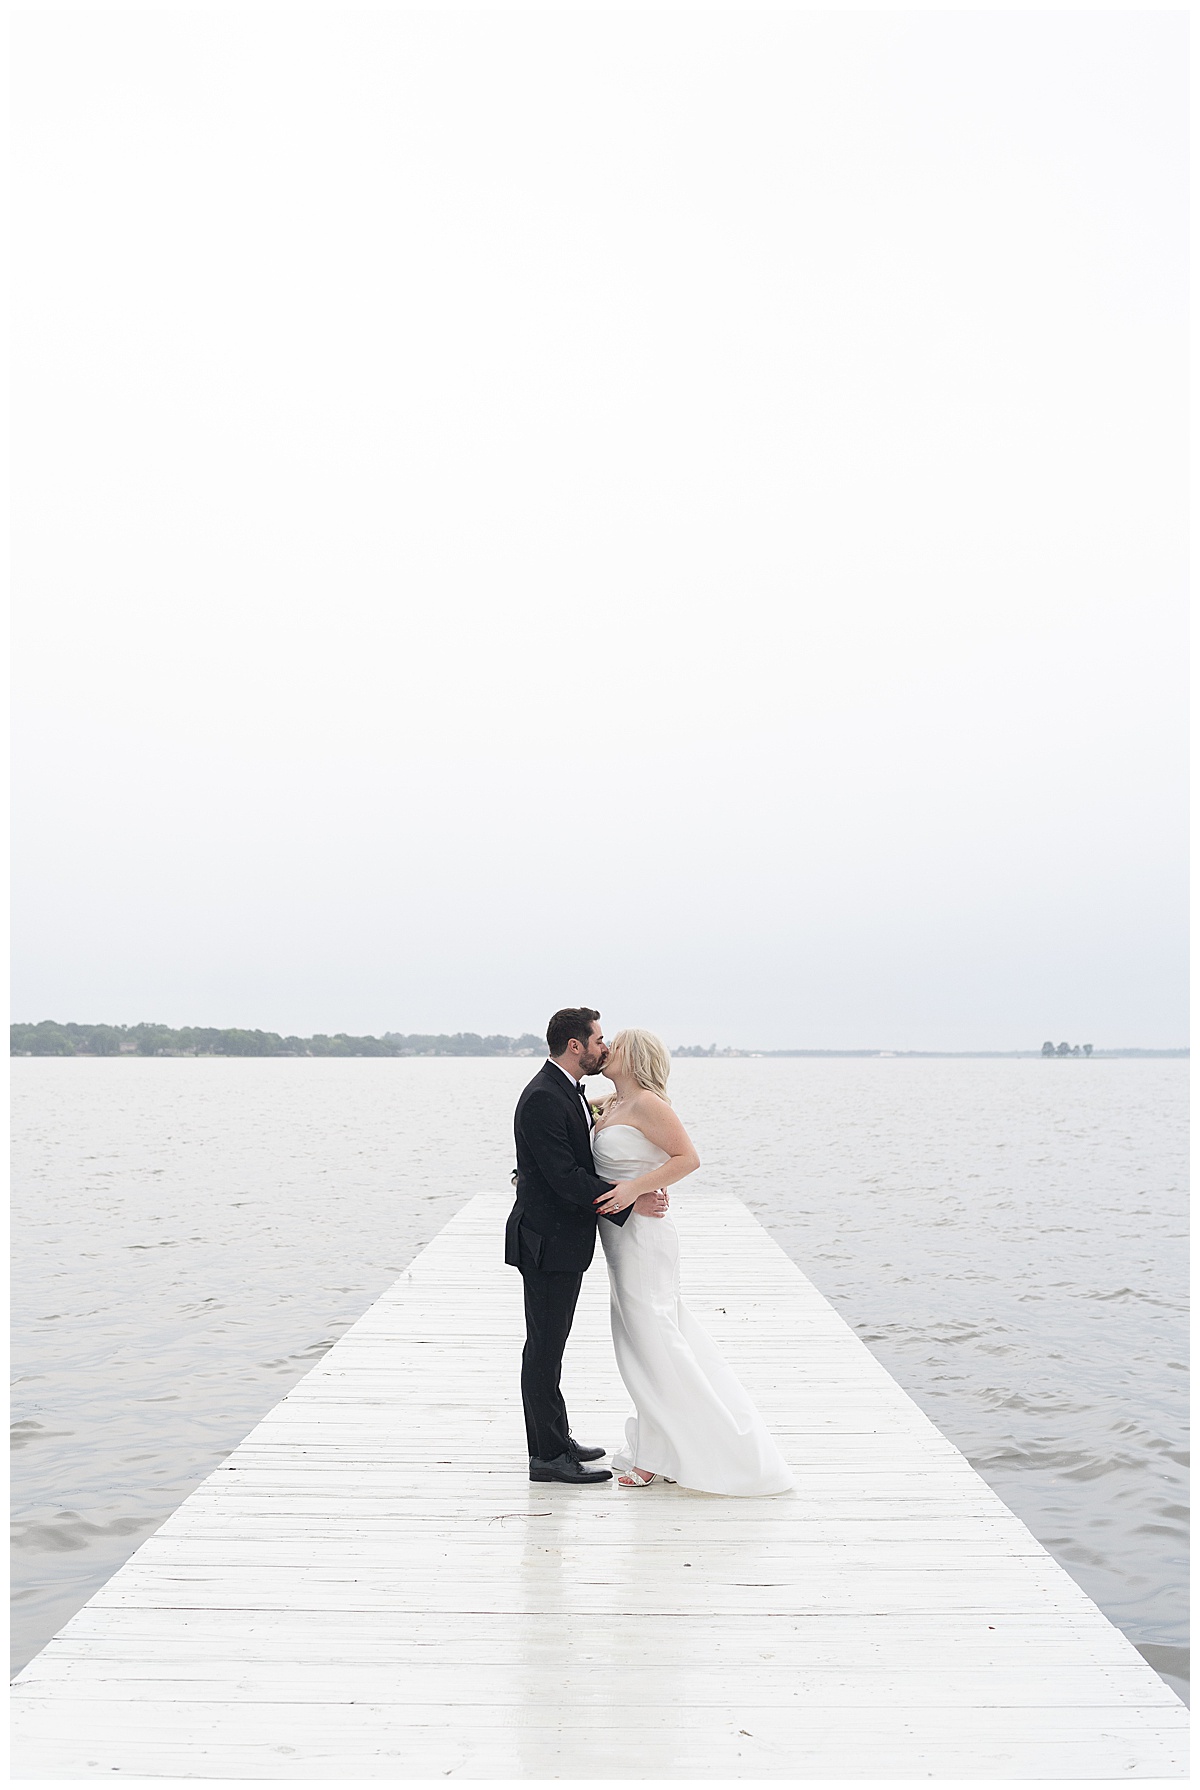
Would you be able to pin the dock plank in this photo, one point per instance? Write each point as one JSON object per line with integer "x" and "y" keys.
{"x": 370, "y": 1587}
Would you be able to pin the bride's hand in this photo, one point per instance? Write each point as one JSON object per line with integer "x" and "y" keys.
{"x": 616, "y": 1199}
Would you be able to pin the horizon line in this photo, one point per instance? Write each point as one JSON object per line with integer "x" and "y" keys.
{"x": 525, "y": 1044}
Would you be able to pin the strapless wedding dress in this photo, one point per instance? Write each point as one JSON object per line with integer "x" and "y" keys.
{"x": 694, "y": 1422}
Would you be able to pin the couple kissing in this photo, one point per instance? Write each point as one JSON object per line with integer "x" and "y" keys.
{"x": 581, "y": 1170}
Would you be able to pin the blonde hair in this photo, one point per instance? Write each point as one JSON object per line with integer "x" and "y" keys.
{"x": 645, "y": 1057}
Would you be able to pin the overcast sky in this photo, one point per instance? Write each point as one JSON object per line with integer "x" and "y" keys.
{"x": 682, "y": 512}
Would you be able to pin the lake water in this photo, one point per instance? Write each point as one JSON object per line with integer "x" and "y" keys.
{"x": 1007, "y": 1236}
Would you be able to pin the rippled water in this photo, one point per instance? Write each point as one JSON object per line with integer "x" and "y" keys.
{"x": 1007, "y": 1236}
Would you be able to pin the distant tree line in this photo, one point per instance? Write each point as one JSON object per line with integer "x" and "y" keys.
{"x": 49, "y": 1038}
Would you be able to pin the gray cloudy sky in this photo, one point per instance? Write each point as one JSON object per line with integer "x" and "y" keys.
{"x": 679, "y": 511}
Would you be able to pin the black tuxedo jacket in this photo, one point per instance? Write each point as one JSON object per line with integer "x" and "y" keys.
{"x": 552, "y": 1225}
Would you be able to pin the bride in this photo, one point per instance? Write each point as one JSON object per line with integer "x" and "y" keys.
{"x": 693, "y": 1421}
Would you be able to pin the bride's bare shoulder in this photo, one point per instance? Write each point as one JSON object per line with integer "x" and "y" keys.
{"x": 657, "y": 1120}
{"x": 646, "y": 1101}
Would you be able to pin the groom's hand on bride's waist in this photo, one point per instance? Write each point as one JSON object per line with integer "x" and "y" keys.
{"x": 653, "y": 1204}
{"x": 650, "y": 1205}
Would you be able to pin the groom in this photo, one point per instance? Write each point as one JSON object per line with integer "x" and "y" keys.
{"x": 551, "y": 1233}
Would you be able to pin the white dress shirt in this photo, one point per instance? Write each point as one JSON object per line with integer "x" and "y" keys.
{"x": 578, "y": 1087}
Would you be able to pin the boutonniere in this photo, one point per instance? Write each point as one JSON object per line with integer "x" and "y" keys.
{"x": 597, "y": 1107}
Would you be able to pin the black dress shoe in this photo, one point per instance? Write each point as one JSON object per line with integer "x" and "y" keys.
{"x": 578, "y": 1452}
{"x": 569, "y": 1471}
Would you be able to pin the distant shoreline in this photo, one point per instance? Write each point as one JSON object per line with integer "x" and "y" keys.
{"x": 1132, "y": 1051}
{"x": 55, "y": 1038}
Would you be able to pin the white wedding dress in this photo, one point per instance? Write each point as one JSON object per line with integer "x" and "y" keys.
{"x": 694, "y": 1422}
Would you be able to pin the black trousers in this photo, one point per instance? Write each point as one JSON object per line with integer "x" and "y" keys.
{"x": 550, "y": 1301}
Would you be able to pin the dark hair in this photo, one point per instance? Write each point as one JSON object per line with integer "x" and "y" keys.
{"x": 568, "y": 1023}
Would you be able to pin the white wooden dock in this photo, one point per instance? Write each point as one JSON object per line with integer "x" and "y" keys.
{"x": 369, "y": 1587}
